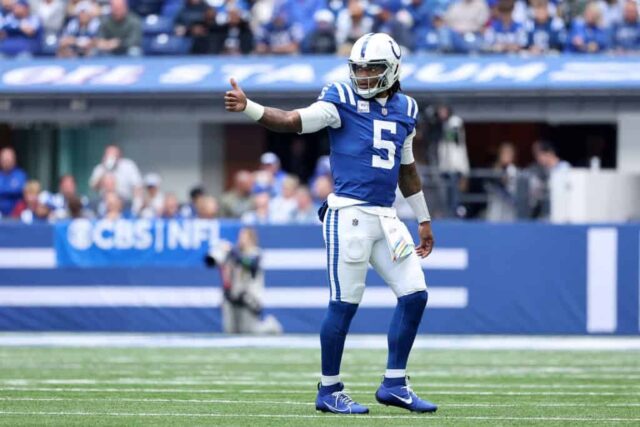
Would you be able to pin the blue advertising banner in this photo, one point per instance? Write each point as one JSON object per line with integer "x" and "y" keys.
{"x": 521, "y": 278}
{"x": 431, "y": 73}
{"x": 171, "y": 243}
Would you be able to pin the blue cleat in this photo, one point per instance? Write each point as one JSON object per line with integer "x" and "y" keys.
{"x": 402, "y": 396}
{"x": 334, "y": 399}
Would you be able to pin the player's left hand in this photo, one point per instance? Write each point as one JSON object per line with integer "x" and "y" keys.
{"x": 426, "y": 239}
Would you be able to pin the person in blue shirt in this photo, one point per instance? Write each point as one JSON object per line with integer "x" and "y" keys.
{"x": 12, "y": 181}
{"x": 279, "y": 36}
{"x": 21, "y": 31}
{"x": 587, "y": 34}
{"x": 626, "y": 34}
{"x": 300, "y": 13}
{"x": 544, "y": 32}
{"x": 371, "y": 124}
{"x": 504, "y": 34}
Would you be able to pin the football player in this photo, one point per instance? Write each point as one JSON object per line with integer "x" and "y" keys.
{"x": 371, "y": 127}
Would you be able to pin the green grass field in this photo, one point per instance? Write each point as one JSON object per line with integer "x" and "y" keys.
{"x": 252, "y": 386}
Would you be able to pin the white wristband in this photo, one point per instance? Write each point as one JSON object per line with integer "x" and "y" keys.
{"x": 254, "y": 110}
{"x": 419, "y": 207}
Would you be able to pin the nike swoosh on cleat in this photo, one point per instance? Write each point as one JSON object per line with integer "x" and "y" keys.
{"x": 408, "y": 401}
{"x": 332, "y": 409}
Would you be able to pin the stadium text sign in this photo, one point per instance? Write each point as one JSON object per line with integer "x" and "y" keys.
{"x": 85, "y": 243}
{"x": 308, "y": 74}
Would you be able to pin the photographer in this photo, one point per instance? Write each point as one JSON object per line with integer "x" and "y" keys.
{"x": 243, "y": 286}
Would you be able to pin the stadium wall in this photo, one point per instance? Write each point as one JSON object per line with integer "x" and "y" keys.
{"x": 522, "y": 278}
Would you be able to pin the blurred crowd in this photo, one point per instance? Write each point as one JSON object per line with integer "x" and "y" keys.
{"x": 506, "y": 189}
{"x": 265, "y": 196}
{"x": 72, "y": 28}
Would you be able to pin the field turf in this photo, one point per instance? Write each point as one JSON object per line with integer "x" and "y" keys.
{"x": 276, "y": 387}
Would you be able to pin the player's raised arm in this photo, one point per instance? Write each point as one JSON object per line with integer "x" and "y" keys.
{"x": 274, "y": 119}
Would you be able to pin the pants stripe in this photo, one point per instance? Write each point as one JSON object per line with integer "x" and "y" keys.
{"x": 336, "y": 252}
{"x": 327, "y": 233}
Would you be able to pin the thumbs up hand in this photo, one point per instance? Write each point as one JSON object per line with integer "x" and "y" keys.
{"x": 235, "y": 100}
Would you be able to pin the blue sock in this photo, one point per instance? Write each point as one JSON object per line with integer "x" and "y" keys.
{"x": 333, "y": 333}
{"x": 403, "y": 330}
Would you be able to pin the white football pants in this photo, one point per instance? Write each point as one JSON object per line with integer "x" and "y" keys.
{"x": 354, "y": 238}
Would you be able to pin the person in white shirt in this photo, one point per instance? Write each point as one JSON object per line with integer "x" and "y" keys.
{"x": 125, "y": 171}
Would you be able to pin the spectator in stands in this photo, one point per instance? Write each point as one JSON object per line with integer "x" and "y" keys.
{"x": 51, "y": 14}
{"x": 553, "y": 169}
{"x": 322, "y": 39}
{"x": 284, "y": 205}
{"x": 152, "y": 202}
{"x": 80, "y": 35}
{"x": 501, "y": 190}
{"x": 189, "y": 210}
{"x": 547, "y": 157}
{"x": 126, "y": 173}
{"x": 21, "y": 31}
{"x": 432, "y": 36}
{"x": 12, "y": 181}
{"x": 301, "y": 13}
{"x": 235, "y": 202}
{"x": 120, "y": 32}
{"x": 34, "y": 206}
{"x": 29, "y": 201}
{"x": 351, "y": 24}
{"x": 112, "y": 207}
{"x": 234, "y": 35}
{"x": 60, "y": 202}
{"x": 207, "y": 207}
{"x": 76, "y": 210}
{"x": 6, "y": 7}
{"x": 466, "y": 19}
{"x": 323, "y": 168}
{"x": 611, "y": 12}
{"x": 306, "y": 212}
{"x": 171, "y": 208}
{"x": 504, "y": 35}
{"x": 272, "y": 177}
{"x": 322, "y": 187}
{"x": 587, "y": 35}
{"x": 261, "y": 213}
{"x": 279, "y": 36}
{"x": 626, "y": 34}
{"x": 191, "y": 21}
{"x": 545, "y": 33}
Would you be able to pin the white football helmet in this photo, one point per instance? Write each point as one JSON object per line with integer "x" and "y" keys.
{"x": 374, "y": 51}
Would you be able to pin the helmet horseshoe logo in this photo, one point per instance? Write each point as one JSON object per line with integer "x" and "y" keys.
{"x": 393, "y": 49}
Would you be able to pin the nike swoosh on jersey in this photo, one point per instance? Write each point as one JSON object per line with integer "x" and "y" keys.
{"x": 408, "y": 401}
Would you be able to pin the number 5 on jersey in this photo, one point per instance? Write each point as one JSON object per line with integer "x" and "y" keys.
{"x": 383, "y": 144}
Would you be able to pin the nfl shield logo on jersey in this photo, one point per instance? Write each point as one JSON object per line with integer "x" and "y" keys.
{"x": 363, "y": 106}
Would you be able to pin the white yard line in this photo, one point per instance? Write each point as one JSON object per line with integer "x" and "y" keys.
{"x": 295, "y": 416}
{"x": 310, "y": 391}
{"x": 287, "y": 403}
{"x": 252, "y": 382}
{"x": 572, "y": 343}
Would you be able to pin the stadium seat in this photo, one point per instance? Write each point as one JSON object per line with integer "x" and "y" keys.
{"x": 155, "y": 24}
{"x": 147, "y": 7}
{"x": 171, "y": 8}
{"x": 166, "y": 44}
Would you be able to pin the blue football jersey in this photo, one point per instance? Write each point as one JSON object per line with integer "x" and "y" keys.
{"x": 367, "y": 147}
